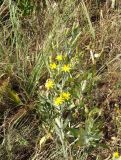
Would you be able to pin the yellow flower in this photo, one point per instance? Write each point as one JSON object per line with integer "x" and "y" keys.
{"x": 115, "y": 155}
{"x": 65, "y": 95}
{"x": 58, "y": 101}
{"x": 49, "y": 84}
{"x": 59, "y": 57}
{"x": 66, "y": 68}
{"x": 53, "y": 66}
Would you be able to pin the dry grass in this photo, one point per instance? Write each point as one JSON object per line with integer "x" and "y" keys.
{"x": 89, "y": 33}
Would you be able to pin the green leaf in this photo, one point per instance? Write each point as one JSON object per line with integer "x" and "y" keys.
{"x": 95, "y": 111}
{"x": 82, "y": 137}
{"x": 74, "y": 132}
{"x": 14, "y": 96}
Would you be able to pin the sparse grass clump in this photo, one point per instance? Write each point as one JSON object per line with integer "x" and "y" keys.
{"x": 60, "y": 80}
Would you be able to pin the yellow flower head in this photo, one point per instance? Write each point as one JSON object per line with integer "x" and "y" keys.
{"x": 49, "y": 84}
{"x": 53, "y": 66}
{"x": 115, "y": 155}
{"x": 58, "y": 101}
{"x": 66, "y": 68}
{"x": 65, "y": 95}
{"x": 59, "y": 57}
